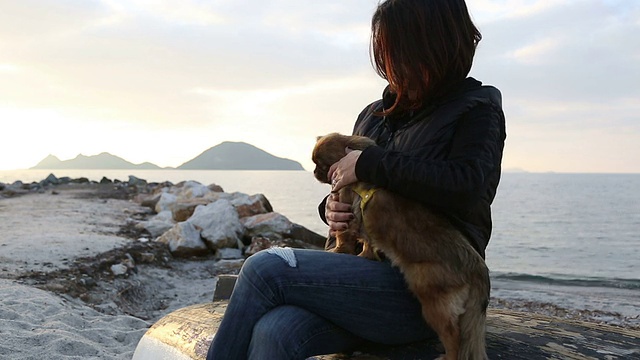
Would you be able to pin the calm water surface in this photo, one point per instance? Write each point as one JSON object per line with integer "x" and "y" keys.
{"x": 568, "y": 239}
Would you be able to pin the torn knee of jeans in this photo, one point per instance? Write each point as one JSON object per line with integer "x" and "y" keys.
{"x": 285, "y": 254}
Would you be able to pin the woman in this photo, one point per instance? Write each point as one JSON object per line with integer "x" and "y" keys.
{"x": 440, "y": 137}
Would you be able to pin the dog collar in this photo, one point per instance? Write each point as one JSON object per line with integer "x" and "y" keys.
{"x": 365, "y": 194}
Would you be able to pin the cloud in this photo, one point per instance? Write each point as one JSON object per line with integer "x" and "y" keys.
{"x": 576, "y": 50}
{"x": 568, "y": 71}
{"x": 138, "y": 61}
{"x": 278, "y": 73}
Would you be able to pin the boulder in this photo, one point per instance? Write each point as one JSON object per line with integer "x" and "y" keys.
{"x": 134, "y": 181}
{"x": 215, "y": 188}
{"x": 51, "y": 180}
{"x": 258, "y": 243}
{"x": 191, "y": 189}
{"x": 184, "y": 240}
{"x": 183, "y": 209}
{"x": 81, "y": 180}
{"x": 273, "y": 226}
{"x": 249, "y": 205}
{"x": 148, "y": 200}
{"x": 158, "y": 224}
{"x": 229, "y": 254}
{"x": 307, "y": 236}
{"x": 14, "y": 189}
{"x": 219, "y": 223}
{"x": 165, "y": 202}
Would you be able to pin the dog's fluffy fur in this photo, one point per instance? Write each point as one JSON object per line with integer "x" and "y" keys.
{"x": 443, "y": 270}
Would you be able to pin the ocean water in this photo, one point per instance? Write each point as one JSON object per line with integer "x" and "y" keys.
{"x": 569, "y": 240}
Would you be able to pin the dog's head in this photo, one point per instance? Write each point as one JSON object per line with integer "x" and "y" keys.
{"x": 330, "y": 149}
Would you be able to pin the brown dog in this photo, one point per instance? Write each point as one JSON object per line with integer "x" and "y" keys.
{"x": 449, "y": 278}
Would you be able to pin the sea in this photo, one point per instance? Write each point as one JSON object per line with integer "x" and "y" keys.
{"x": 560, "y": 241}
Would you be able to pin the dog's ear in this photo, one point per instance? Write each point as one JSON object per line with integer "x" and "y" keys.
{"x": 360, "y": 142}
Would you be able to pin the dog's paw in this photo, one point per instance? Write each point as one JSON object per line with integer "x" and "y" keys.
{"x": 341, "y": 250}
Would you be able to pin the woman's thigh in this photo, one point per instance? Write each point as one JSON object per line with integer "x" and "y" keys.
{"x": 367, "y": 298}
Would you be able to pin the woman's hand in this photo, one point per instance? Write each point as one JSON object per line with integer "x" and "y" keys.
{"x": 337, "y": 214}
{"x": 343, "y": 172}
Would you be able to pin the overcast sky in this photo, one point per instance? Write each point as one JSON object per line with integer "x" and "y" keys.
{"x": 163, "y": 81}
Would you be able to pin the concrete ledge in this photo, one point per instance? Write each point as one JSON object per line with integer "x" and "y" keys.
{"x": 187, "y": 333}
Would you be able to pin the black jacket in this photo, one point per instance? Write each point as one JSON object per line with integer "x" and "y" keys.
{"x": 446, "y": 155}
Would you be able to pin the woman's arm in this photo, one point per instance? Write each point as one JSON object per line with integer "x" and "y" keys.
{"x": 454, "y": 183}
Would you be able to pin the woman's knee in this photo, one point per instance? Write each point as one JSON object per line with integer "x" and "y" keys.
{"x": 269, "y": 262}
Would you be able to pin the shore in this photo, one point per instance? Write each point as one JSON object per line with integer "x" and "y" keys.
{"x": 57, "y": 294}
{"x": 60, "y": 296}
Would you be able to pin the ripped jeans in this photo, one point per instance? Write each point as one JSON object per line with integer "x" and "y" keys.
{"x": 294, "y": 304}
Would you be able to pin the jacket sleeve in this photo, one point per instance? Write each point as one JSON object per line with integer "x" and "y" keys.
{"x": 455, "y": 183}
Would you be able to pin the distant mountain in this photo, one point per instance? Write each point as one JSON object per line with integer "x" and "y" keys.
{"x": 101, "y": 161}
{"x": 514, "y": 170}
{"x": 225, "y": 156}
{"x": 238, "y": 156}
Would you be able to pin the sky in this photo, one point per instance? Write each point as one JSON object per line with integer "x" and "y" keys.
{"x": 162, "y": 81}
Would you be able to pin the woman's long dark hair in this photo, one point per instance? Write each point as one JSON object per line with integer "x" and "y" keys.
{"x": 423, "y": 48}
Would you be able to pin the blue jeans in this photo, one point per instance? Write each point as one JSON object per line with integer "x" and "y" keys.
{"x": 294, "y": 304}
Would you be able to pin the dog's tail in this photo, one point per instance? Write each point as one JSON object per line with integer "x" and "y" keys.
{"x": 472, "y": 321}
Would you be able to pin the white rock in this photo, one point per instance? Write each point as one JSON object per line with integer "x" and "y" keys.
{"x": 193, "y": 189}
{"x": 166, "y": 202}
{"x": 184, "y": 240}
{"x": 119, "y": 269}
{"x": 158, "y": 224}
{"x": 219, "y": 223}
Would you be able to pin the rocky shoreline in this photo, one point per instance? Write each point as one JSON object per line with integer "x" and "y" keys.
{"x": 174, "y": 250}
{"x": 179, "y": 238}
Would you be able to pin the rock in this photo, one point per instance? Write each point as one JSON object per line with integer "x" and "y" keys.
{"x": 272, "y": 225}
{"x": 215, "y": 188}
{"x": 129, "y": 262}
{"x": 146, "y": 258}
{"x": 191, "y": 189}
{"x": 14, "y": 189}
{"x": 51, "y": 180}
{"x": 165, "y": 202}
{"x": 219, "y": 223}
{"x": 82, "y": 180}
{"x": 228, "y": 266}
{"x": 251, "y": 205}
{"x": 184, "y": 240}
{"x": 158, "y": 224}
{"x": 258, "y": 243}
{"x": 105, "y": 180}
{"x": 149, "y": 201}
{"x": 183, "y": 209}
{"x": 17, "y": 185}
{"x": 134, "y": 181}
{"x": 229, "y": 254}
{"x": 305, "y": 235}
{"x": 119, "y": 269}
